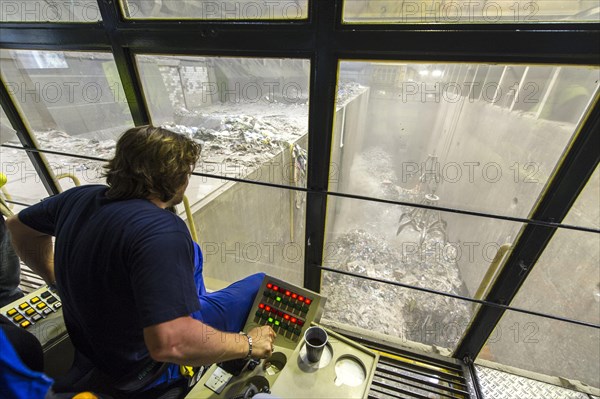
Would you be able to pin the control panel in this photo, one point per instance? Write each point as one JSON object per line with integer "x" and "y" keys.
{"x": 37, "y": 312}
{"x": 345, "y": 369}
{"x": 288, "y": 309}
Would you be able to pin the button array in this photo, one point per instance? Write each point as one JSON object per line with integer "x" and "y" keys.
{"x": 29, "y": 312}
{"x": 283, "y": 323}
{"x": 285, "y": 310}
{"x": 287, "y": 300}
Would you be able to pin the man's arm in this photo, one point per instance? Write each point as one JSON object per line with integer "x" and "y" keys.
{"x": 187, "y": 341}
{"x": 33, "y": 247}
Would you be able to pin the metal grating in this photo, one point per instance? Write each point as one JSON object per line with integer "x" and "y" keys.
{"x": 496, "y": 384}
{"x": 409, "y": 376}
{"x": 30, "y": 281}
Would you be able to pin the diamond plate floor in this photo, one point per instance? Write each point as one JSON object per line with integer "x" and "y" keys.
{"x": 500, "y": 385}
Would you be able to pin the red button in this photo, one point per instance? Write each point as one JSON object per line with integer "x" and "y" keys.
{"x": 261, "y": 305}
{"x": 286, "y": 316}
{"x": 294, "y": 296}
{"x": 280, "y": 314}
{"x": 268, "y": 308}
{"x": 275, "y": 288}
{"x": 300, "y": 323}
{"x": 307, "y": 301}
{"x": 288, "y": 293}
{"x": 293, "y": 320}
{"x": 269, "y": 285}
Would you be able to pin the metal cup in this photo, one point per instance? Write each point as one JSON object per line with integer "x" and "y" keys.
{"x": 315, "y": 339}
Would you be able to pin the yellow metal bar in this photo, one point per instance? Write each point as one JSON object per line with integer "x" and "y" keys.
{"x": 190, "y": 219}
{"x": 70, "y": 176}
{"x": 292, "y": 192}
{"x": 492, "y": 272}
{"x": 5, "y": 209}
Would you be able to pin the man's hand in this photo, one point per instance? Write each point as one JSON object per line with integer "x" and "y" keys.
{"x": 262, "y": 341}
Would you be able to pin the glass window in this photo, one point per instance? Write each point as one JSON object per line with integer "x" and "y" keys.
{"x": 441, "y": 251}
{"x": 250, "y": 114}
{"x": 49, "y": 11}
{"x": 23, "y": 185}
{"x": 446, "y": 135}
{"x": 473, "y": 136}
{"x": 407, "y": 317}
{"x": 545, "y": 346}
{"x": 246, "y": 228}
{"x": 216, "y": 10}
{"x": 454, "y": 12}
{"x": 72, "y": 101}
{"x": 565, "y": 282}
{"x": 72, "y": 171}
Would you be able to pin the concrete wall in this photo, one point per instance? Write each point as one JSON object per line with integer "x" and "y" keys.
{"x": 497, "y": 161}
{"x": 245, "y": 228}
{"x": 83, "y": 97}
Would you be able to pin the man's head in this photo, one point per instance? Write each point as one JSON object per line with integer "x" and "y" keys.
{"x": 152, "y": 163}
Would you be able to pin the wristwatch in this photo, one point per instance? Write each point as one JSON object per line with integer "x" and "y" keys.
{"x": 249, "y": 355}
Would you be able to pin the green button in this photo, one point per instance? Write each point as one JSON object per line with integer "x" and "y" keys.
{"x": 285, "y": 301}
{"x": 277, "y": 322}
{"x": 305, "y": 309}
{"x": 258, "y": 313}
{"x": 278, "y": 299}
{"x": 270, "y": 320}
{"x": 264, "y": 316}
{"x": 284, "y": 326}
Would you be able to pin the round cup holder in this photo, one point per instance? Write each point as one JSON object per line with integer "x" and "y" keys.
{"x": 349, "y": 371}
{"x": 309, "y": 367}
{"x": 275, "y": 363}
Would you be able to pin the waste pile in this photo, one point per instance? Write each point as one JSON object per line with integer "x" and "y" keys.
{"x": 368, "y": 249}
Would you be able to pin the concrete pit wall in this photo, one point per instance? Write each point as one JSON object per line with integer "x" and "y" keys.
{"x": 245, "y": 228}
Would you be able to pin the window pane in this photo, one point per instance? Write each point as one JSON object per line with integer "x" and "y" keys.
{"x": 250, "y": 114}
{"x": 71, "y": 171}
{"x": 245, "y": 228}
{"x": 23, "y": 183}
{"x": 471, "y": 136}
{"x": 545, "y": 346}
{"x": 565, "y": 282}
{"x": 72, "y": 101}
{"x": 217, "y": 10}
{"x": 49, "y": 11}
{"x": 453, "y": 12}
{"x": 441, "y": 251}
{"x": 405, "y": 316}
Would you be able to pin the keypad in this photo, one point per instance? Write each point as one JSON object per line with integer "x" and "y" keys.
{"x": 26, "y": 313}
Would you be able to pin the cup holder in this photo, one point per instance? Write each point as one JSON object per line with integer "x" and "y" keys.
{"x": 275, "y": 363}
{"x": 308, "y": 367}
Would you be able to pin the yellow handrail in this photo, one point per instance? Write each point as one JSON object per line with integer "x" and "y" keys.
{"x": 71, "y": 176}
{"x": 492, "y": 272}
{"x": 188, "y": 213}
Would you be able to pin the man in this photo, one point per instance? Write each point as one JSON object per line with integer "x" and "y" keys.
{"x": 125, "y": 269}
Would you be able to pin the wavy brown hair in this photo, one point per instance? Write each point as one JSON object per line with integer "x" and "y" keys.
{"x": 150, "y": 162}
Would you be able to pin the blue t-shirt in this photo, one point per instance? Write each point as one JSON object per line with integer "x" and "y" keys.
{"x": 120, "y": 266}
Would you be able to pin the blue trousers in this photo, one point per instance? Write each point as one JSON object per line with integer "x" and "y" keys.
{"x": 225, "y": 310}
